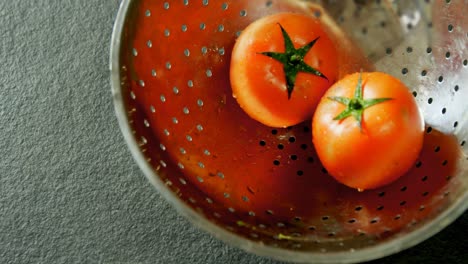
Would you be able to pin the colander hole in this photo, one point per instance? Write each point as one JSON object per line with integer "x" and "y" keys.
{"x": 221, "y": 51}
{"x": 276, "y": 162}
{"x": 238, "y": 33}
{"x": 447, "y": 1}
{"x": 306, "y": 129}
{"x": 465, "y": 62}
{"x": 351, "y": 221}
{"x": 429, "y": 50}
{"x": 201, "y": 165}
{"x": 147, "y": 13}
{"x": 190, "y": 83}
{"x": 304, "y": 146}
{"x": 462, "y": 143}
{"x": 200, "y": 102}
{"x": 299, "y": 173}
{"x": 358, "y": 208}
{"x": 163, "y": 163}
{"x": 324, "y": 170}
{"x": 375, "y": 220}
{"x": 146, "y": 123}
{"x": 447, "y": 55}
{"x": 381, "y": 194}
{"x": 404, "y": 188}
{"x": 444, "y": 110}
{"x": 186, "y": 2}
{"x": 232, "y": 210}
{"x": 245, "y": 198}
{"x": 192, "y": 200}
{"x": 199, "y": 127}
{"x": 429, "y": 25}
{"x": 430, "y": 100}
{"x": 446, "y": 193}
{"x": 418, "y": 164}
{"x": 402, "y": 203}
{"x": 175, "y": 90}
{"x": 184, "y": 28}
{"x": 168, "y": 65}
{"x": 132, "y": 95}
{"x": 251, "y": 213}
{"x": 262, "y": 143}
{"x": 202, "y": 26}
{"x": 185, "y": 110}
{"x": 209, "y": 73}
{"x": 175, "y": 120}
{"x": 331, "y": 234}
{"x": 217, "y": 215}
{"x": 312, "y": 228}
{"x": 383, "y": 24}
{"x": 444, "y": 163}
{"x": 279, "y": 224}
{"x": 149, "y": 44}
{"x": 380, "y": 208}
{"x": 183, "y": 181}
{"x": 262, "y": 226}
{"x": 409, "y": 49}
{"x": 280, "y": 146}
{"x": 182, "y": 151}
{"x": 220, "y": 175}
{"x": 189, "y": 138}
{"x": 421, "y": 208}
{"x": 207, "y": 152}
{"x": 456, "y": 88}
{"x": 221, "y": 28}
{"x": 448, "y": 178}
{"x": 181, "y": 166}
{"x": 167, "y": 32}
{"x": 437, "y": 149}
{"x": 404, "y": 71}
{"x": 226, "y": 195}
{"x": 428, "y": 130}
{"x": 135, "y": 52}
{"x": 388, "y": 51}
{"x": 440, "y": 79}
{"x": 253, "y": 235}
{"x": 269, "y": 3}
{"x": 224, "y": 6}
{"x": 310, "y": 159}
{"x": 205, "y": 2}
{"x": 325, "y": 218}
{"x": 425, "y": 193}
{"x": 274, "y": 132}
{"x": 153, "y": 73}
{"x": 423, "y": 73}
{"x": 450, "y": 27}
{"x": 144, "y": 141}
{"x": 292, "y": 139}
{"x": 163, "y": 148}
{"x": 397, "y": 217}
{"x": 269, "y": 212}
{"x": 293, "y": 157}
{"x": 152, "y": 109}
{"x": 424, "y": 178}
{"x": 166, "y": 5}
{"x": 243, "y": 13}
{"x": 297, "y": 219}
{"x": 415, "y": 93}
{"x": 204, "y": 50}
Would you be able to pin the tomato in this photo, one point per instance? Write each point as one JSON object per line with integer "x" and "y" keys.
{"x": 281, "y": 65}
{"x": 367, "y": 130}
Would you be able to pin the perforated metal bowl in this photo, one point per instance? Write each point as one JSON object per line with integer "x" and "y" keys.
{"x": 262, "y": 189}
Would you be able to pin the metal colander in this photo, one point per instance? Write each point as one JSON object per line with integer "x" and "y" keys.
{"x": 264, "y": 189}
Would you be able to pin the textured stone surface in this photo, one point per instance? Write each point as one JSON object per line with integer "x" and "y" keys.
{"x": 70, "y": 191}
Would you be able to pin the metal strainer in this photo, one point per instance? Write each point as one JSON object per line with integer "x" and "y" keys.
{"x": 263, "y": 189}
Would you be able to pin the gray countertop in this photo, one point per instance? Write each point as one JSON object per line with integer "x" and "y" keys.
{"x": 70, "y": 191}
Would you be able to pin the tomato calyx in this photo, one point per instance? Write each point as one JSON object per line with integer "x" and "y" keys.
{"x": 293, "y": 60}
{"x": 355, "y": 106}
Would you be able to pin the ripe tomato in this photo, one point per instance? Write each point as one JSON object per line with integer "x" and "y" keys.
{"x": 367, "y": 130}
{"x": 281, "y": 66}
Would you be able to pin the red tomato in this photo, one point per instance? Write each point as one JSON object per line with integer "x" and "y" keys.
{"x": 281, "y": 66}
{"x": 379, "y": 135}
